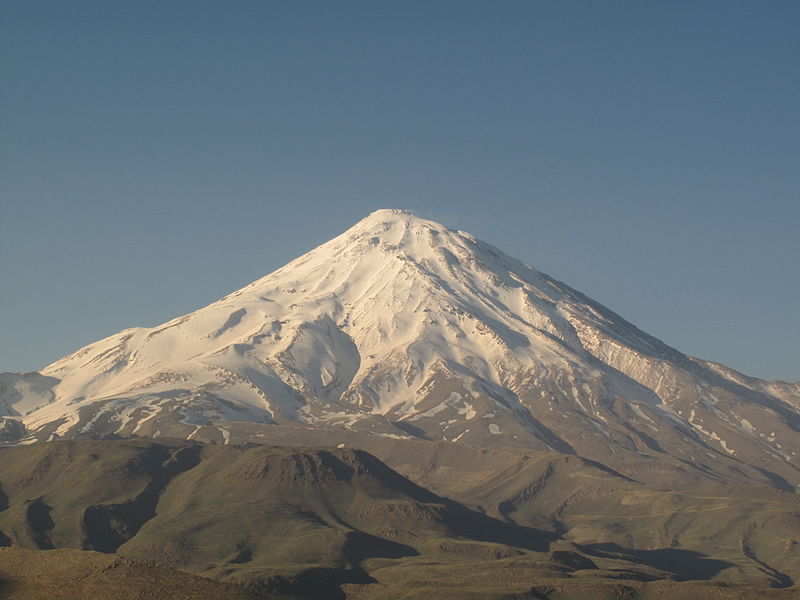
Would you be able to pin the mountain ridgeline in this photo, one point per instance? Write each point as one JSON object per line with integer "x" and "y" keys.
{"x": 405, "y": 329}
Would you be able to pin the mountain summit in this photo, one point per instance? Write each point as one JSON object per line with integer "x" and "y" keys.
{"x": 403, "y": 328}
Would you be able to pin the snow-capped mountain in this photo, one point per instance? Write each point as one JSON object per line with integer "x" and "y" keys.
{"x": 403, "y": 328}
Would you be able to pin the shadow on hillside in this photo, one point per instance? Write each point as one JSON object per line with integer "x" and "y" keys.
{"x": 468, "y": 524}
{"x": 777, "y": 481}
{"x": 360, "y": 546}
{"x": 411, "y": 430}
{"x": 318, "y": 583}
{"x": 462, "y": 521}
{"x": 685, "y": 564}
{"x": 40, "y": 523}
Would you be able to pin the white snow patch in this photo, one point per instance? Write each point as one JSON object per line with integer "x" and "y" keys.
{"x": 460, "y": 435}
{"x": 226, "y": 435}
{"x": 640, "y": 413}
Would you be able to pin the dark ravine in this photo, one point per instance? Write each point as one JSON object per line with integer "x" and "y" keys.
{"x": 779, "y": 580}
{"x": 108, "y": 526}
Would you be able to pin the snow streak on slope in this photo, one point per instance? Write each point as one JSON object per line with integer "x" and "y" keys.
{"x": 403, "y": 327}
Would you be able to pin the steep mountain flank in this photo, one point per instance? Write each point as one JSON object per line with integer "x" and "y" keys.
{"x": 405, "y": 329}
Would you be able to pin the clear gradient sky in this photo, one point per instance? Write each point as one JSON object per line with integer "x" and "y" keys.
{"x": 156, "y": 155}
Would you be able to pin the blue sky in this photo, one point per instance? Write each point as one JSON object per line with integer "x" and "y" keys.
{"x": 155, "y": 156}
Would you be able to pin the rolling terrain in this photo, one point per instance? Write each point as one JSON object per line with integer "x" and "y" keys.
{"x": 282, "y": 522}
